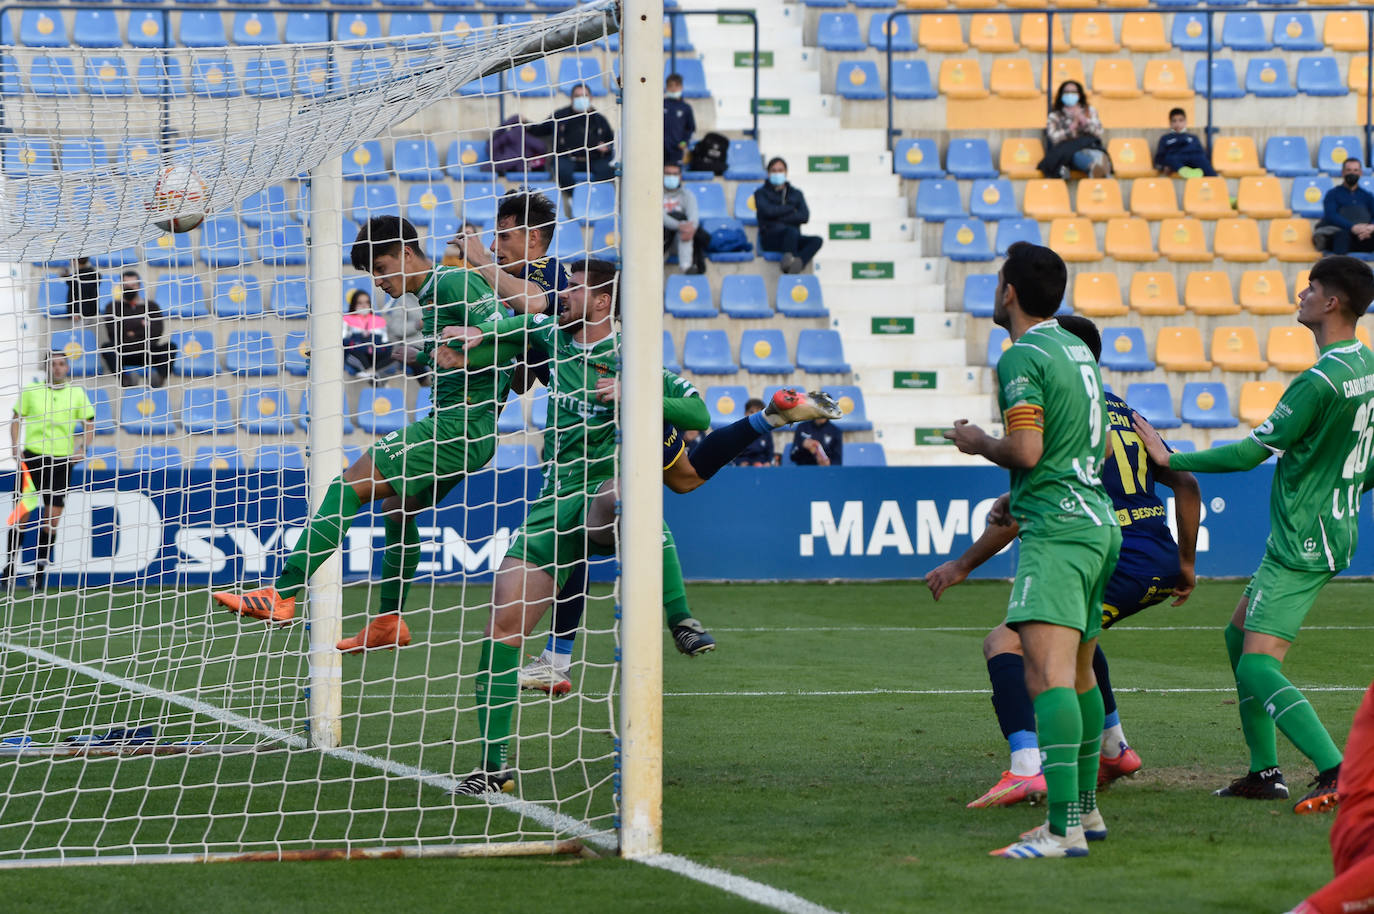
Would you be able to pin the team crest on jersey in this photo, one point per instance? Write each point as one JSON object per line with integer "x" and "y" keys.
{"x": 1068, "y": 504}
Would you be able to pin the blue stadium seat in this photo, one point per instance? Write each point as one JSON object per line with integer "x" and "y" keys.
{"x": 993, "y": 199}
{"x": 381, "y": 410}
{"x": 291, "y": 297}
{"x": 96, "y": 29}
{"x": 206, "y": 411}
{"x": 303, "y": 416}
{"x": 965, "y": 240}
{"x": 81, "y": 349}
{"x": 214, "y": 77}
{"x": 512, "y": 418}
{"x": 899, "y": 27}
{"x": 725, "y": 402}
{"x": 104, "y": 412}
{"x": 146, "y": 411}
{"x": 670, "y": 361}
{"x": 851, "y": 401}
{"x": 1206, "y": 405}
{"x": 568, "y": 244}
{"x": 101, "y": 459}
{"x": 591, "y": 202}
{"x": 265, "y": 207}
{"x": 1010, "y": 231}
{"x": 1288, "y": 156}
{"x": 148, "y": 29}
{"x": 744, "y": 204}
{"x": 745, "y": 296}
{"x": 979, "y": 291}
{"x": 296, "y": 353}
{"x": 410, "y": 28}
{"x": 1334, "y": 150}
{"x": 744, "y": 162}
{"x": 1320, "y": 76}
{"x": 267, "y": 79}
{"x": 52, "y": 298}
{"x": 858, "y": 79}
{"x": 26, "y": 156}
{"x": 108, "y": 77}
{"x": 516, "y": 457}
{"x": 998, "y": 341}
{"x": 1244, "y": 32}
{"x": 531, "y": 79}
{"x": 1181, "y": 447}
{"x": 82, "y": 155}
{"x": 315, "y": 77}
{"x": 223, "y": 457}
{"x": 221, "y": 241}
{"x": 1307, "y": 196}
{"x": 265, "y": 411}
{"x": 153, "y": 458}
{"x": 11, "y": 83}
{"x": 182, "y": 296}
{"x": 481, "y": 199}
{"x": 605, "y": 243}
{"x": 708, "y": 352}
{"x": 1155, "y": 403}
{"x": 416, "y": 160}
{"x": 458, "y": 27}
{"x": 917, "y": 158}
{"x": 1224, "y": 81}
{"x": 911, "y": 80}
{"x": 1189, "y": 33}
{"x": 255, "y": 29}
{"x": 159, "y": 77}
{"x": 693, "y": 75}
{"x": 278, "y": 457}
{"x": 487, "y": 86}
{"x": 357, "y": 28}
{"x": 371, "y": 200}
{"x": 970, "y": 158}
{"x": 821, "y": 352}
{"x": 195, "y": 353}
{"x": 42, "y": 28}
{"x": 688, "y": 296}
{"x": 839, "y": 32}
{"x": 864, "y": 454}
{"x": 1267, "y": 77}
{"x": 539, "y": 409}
{"x": 1124, "y": 349}
{"x": 427, "y": 204}
{"x": 368, "y": 71}
{"x": 1296, "y": 32}
{"x": 306, "y": 28}
{"x": 201, "y": 29}
{"x": 586, "y": 71}
{"x": 937, "y": 199}
{"x": 54, "y": 77}
{"x": 710, "y": 200}
{"x": 116, "y": 260}
{"x": 237, "y": 296}
{"x": 764, "y": 352}
{"x": 715, "y": 226}
{"x": 676, "y": 35}
{"x": 251, "y": 353}
{"x": 800, "y": 296}
{"x": 283, "y": 244}
{"x": 468, "y": 160}
{"x": 365, "y": 163}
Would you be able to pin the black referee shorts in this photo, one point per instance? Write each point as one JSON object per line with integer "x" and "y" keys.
{"x": 51, "y": 476}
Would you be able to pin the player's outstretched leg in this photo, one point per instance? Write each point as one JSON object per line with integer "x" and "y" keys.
{"x": 1264, "y": 781}
{"x": 1022, "y": 781}
{"x": 1118, "y": 759}
{"x": 790, "y": 405}
{"x": 400, "y": 557}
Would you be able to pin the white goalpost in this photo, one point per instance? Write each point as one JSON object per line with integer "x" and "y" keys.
{"x": 231, "y": 373}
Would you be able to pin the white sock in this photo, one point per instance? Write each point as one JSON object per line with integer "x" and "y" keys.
{"x": 1025, "y": 762}
{"x": 560, "y": 662}
{"x": 1112, "y": 738}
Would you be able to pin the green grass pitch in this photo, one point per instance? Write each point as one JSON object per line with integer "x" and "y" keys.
{"x": 827, "y": 748}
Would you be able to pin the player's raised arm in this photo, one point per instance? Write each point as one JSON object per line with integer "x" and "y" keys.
{"x": 1020, "y": 449}
{"x": 1188, "y": 514}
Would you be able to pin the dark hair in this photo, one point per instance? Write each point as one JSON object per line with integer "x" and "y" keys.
{"x": 1085, "y": 330}
{"x": 532, "y": 211}
{"x": 1177, "y": 112}
{"x": 353, "y": 297}
{"x": 583, "y": 86}
{"x": 1059, "y": 96}
{"x": 669, "y": 163}
{"x": 752, "y": 402}
{"x": 776, "y": 160}
{"x": 601, "y": 277}
{"x": 1348, "y": 278}
{"x": 1038, "y": 275}
{"x": 673, "y": 78}
{"x": 382, "y": 235}
{"x": 130, "y": 272}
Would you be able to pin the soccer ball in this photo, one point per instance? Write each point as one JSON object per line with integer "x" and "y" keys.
{"x": 179, "y": 199}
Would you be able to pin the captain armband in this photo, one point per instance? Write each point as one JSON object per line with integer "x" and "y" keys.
{"x": 1025, "y": 416}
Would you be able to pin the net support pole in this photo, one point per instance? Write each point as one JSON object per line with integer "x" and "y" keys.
{"x": 641, "y": 385}
{"x": 325, "y": 605}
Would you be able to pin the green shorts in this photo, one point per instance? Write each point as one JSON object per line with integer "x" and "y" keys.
{"x": 427, "y": 458}
{"x": 1061, "y": 579}
{"x": 1279, "y": 598}
{"x": 554, "y": 534}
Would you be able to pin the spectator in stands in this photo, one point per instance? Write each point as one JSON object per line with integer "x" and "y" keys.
{"x": 818, "y": 443}
{"x": 692, "y": 439}
{"x": 1073, "y": 135}
{"x": 83, "y": 288}
{"x": 366, "y": 352}
{"x": 515, "y": 149}
{"x": 679, "y": 122}
{"x": 1347, "y": 222}
{"x": 134, "y": 339}
{"x": 782, "y": 211}
{"x": 1180, "y": 152}
{"x": 759, "y": 453}
{"x": 680, "y": 224}
{"x": 582, "y": 139}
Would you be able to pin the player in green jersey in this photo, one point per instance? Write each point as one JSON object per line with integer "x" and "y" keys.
{"x": 422, "y": 461}
{"x": 1050, "y": 394}
{"x": 1321, "y": 431}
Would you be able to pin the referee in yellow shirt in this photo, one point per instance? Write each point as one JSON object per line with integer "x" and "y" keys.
{"x": 47, "y": 416}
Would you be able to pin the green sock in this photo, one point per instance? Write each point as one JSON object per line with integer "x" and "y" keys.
{"x": 1255, "y": 723}
{"x": 321, "y": 537}
{"x": 1060, "y": 725}
{"x": 674, "y": 590}
{"x": 1260, "y": 675}
{"x": 399, "y": 560}
{"x": 498, "y": 676}
{"x": 1093, "y": 712}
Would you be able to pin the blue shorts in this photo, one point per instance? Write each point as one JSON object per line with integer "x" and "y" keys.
{"x": 1143, "y": 577}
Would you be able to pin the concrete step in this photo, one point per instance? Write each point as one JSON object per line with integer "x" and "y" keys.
{"x": 782, "y": 61}
{"x": 735, "y": 103}
{"x": 877, "y": 358}
{"x": 786, "y": 134}
{"x": 934, "y": 456}
{"x": 839, "y": 184}
{"x": 834, "y": 266}
{"x": 839, "y": 207}
{"x": 927, "y": 408}
{"x": 862, "y": 301}
{"x": 901, "y": 325}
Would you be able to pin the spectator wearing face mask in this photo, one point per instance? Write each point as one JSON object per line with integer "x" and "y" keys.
{"x": 582, "y": 139}
{"x": 1073, "y": 133}
{"x": 1347, "y": 222}
{"x": 782, "y": 211}
{"x": 680, "y": 223}
{"x": 679, "y": 123}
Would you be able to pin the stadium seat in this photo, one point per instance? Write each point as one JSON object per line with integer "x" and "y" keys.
{"x": 381, "y": 410}
{"x": 1287, "y": 156}
{"x": 27, "y": 157}
{"x": 1209, "y": 292}
{"x": 481, "y": 200}
{"x": 265, "y": 411}
{"x": 368, "y": 71}
{"x": 1244, "y": 32}
{"x": 937, "y": 199}
{"x": 283, "y": 244}
{"x": 195, "y": 353}
{"x": 101, "y": 459}
{"x": 1307, "y": 196}
{"x": 1128, "y": 239}
{"x": 169, "y": 250}
{"x": 1225, "y": 83}
{"x": 1295, "y": 32}
{"x": 511, "y": 419}
{"x": 710, "y": 200}
{"x": 965, "y": 240}
{"x": 1092, "y": 33}
{"x": 251, "y": 353}
{"x": 882, "y": 29}
{"x": 914, "y": 158}
{"x": 160, "y": 77}
{"x": 858, "y": 79}
{"x": 800, "y": 296}
{"x": 1206, "y": 404}
{"x": 430, "y": 204}
{"x": 979, "y": 291}
{"x": 54, "y": 77}
{"x": 1065, "y": 69}
{"x": 264, "y": 207}
{"x": 1290, "y": 349}
{"x": 316, "y": 76}
{"x": 1115, "y": 79}
{"x": 1074, "y": 240}
{"x": 1047, "y": 199}
{"x": 1099, "y": 199}
{"x": 1154, "y": 199}
{"x": 199, "y": 29}
{"x": 370, "y": 200}
{"x": 1261, "y": 198}
{"x": 1345, "y": 31}
{"x": 114, "y": 260}
{"x": 252, "y": 28}
{"x": 1332, "y": 152}
{"x": 764, "y": 352}
{"x": 744, "y": 162}
{"x": 104, "y": 412}
{"x": 365, "y": 163}
{"x": 296, "y": 353}
{"x": 1190, "y": 33}
{"x": 745, "y": 210}
{"x": 961, "y": 78}
{"x": 1096, "y": 295}
{"x": 1012, "y": 77}
{"x": 911, "y": 80}
{"x": 726, "y": 404}
{"x": 839, "y": 32}
{"x": 991, "y": 33}
{"x": 1265, "y": 292}
{"x": 940, "y": 34}
{"x": 206, "y": 411}
{"x": 715, "y": 226}
{"x": 154, "y": 458}
{"x": 1185, "y": 241}
{"x": 531, "y": 79}
{"x": 214, "y": 77}
{"x": 291, "y": 297}
{"x": 851, "y": 402}
{"x": 304, "y": 414}
{"x": 1035, "y": 36}
{"x": 1123, "y": 349}
{"x": 107, "y": 77}
{"x": 1236, "y": 157}
{"x": 821, "y": 352}
{"x": 1143, "y": 33}
{"x": 275, "y": 457}
{"x": 408, "y": 28}
{"x": 1237, "y": 349}
{"x": 1258, "y": 399}
{"x": 605, "y": 242}
{"x": 356, "y": 28}
{"x": 1019, "y": 157}
{"x": 1290, "y": 241}
{"x": 416, "y": 160}
{"x": 81, "y": 349}
{"x": 146, "y": 411}
{"x": 237, "y": 296}
{"x": 1267, "y": 77}
{"x": 1131, "y": 157}
{"x": 1179, "y": 348}
{"x": 146, "y": 29}
{"x": 1166, "y": 79}
{"x": 693, "y": 75}
{"x": 864, "y": 454}
{"x": 42, "y": 28}
{"x": 95, "y": 29}
{"x": 1206, "y": 198}
{"x": 306, "y": 27}
{"x": 745, "y": 296}
{"x": 1010, "y": 231}
{"x": 182, "y": 296}
{"x": 993, "y": 199}
{"x": 970, "y": 158}
{"x": 708, "y": 352}
{"x": 1154, "y": 403}
{"x": 222, "y": 457}
{"x": 1320, "y": 76}
{"x": 221, "y": 242}
{"x": 52, "y": 298}
{"x": 998, "y": 342}
{"x": 591, "y": 202}
{"x": 670, "y": 361}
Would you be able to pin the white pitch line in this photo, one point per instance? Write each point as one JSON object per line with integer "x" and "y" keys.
{"x": 748, "y": 889}
{"x": 854, "y": 693}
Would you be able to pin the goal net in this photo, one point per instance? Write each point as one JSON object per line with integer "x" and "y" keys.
{"x": 138, "y": 718}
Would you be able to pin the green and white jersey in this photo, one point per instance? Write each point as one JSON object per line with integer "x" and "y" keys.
{"x": 455, "y": 297}
{"x": 1321, "y": 430}
{"x": 1051, "y": 369}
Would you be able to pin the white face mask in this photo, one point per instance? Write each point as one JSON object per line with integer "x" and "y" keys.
{"x": 581, "y": 103}
{"x": 777, "y": 177}
{"x": 1070, "y": 99}
{"x": 675, "y": 95}
{"x": 671, "y": 182}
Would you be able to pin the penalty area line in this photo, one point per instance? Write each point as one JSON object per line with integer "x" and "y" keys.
{"x": 748, "y": 889}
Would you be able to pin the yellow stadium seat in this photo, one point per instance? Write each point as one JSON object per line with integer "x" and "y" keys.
{"x": 1074, "y": 240}
{"x": 1115, "y": 78}
{"x": 1046, "y": 199}
{"x": 991, "y": 33}
{"x": 1024, "y": 4}
{"x": 1362, "y": 334}
{"x": 1261, "y": 198}
{"x": 1097, "y": 295}
{"x": 925, "y": 4}
{"x": 961, "y": 78}
{"x": 1345, "y": 32}
{"x": 1183, "y": 241}
{"x": 941, "y": 34}
{"x": 1131, "y": 157}
{"x": 1209, "y": 292}
{"x": 1237, "y": 349}
{"x": 1065, "y": 69}
{"x": 1121, "y": 3}
{"x": 1258, "y": 399}
{"x": 1092, "y": 33}
{"x": 1180, "y": 349}
{"x": 1035, "y": 33}
{"x": 1236, "y": 157}
{"x": 1129, "y": 239}
{"x": 1291, "y": 348}
{"x": 1012, "y": 78}
{"x": 1076, "y": 4}
{"x": 971, "y": 4}
{"x": 1099, "y": 198}
{"x": 1020, "y": 156}
{"x": 1290, "y": 240}
{"x": 1206, "y": 198}
{"x": 1167, "y": 79}
{"x": 1155, "y": 294}
{"x": 1265, "y": 292}
{"x": 1144, "y": 33}
{"x": 1154, "y": 199}
{"x": 1359, "y": 74}
{"x": 1238, "y": 241}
